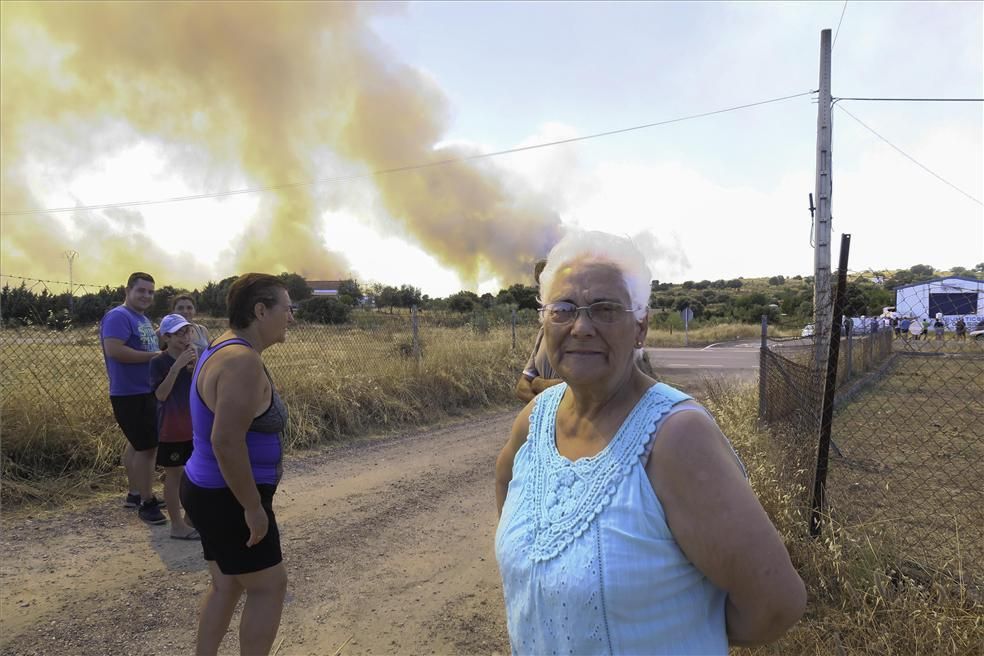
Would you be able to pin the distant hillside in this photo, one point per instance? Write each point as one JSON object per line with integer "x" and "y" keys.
{"x": 784, "y": 300}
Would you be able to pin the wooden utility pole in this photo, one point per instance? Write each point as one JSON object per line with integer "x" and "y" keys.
{"x": 822, "y": 299}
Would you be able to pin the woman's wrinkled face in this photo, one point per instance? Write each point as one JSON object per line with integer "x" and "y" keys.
{"x": 583, "y": 349}
{"x": 185, "y": 308}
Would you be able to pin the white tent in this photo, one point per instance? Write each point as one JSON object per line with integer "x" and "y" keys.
{"x": 950, "y": 298}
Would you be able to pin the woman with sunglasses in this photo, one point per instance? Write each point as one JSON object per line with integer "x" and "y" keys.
{"x": 237, "y": 421}
{"x": 626, "y": 523}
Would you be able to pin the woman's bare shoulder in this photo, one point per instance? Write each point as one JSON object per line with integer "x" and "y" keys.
{"x": 521, "y": 425}
{"x": 689, "y": 432}
{"x": 236, "y": 362}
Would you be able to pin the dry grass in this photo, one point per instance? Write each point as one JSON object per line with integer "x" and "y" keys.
{"x": 60, "y": 439}
{"x": 712, "y": 334}
{"x": 865, "y": 596}
{"x": 912, "y": 445}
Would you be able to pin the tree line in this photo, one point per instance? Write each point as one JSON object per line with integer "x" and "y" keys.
{"x": 720, "y": 301}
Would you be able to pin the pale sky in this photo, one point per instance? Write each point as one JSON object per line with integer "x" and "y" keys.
{"x": 721, "y": 197}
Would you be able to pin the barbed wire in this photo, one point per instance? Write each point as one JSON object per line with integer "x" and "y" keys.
{"x": 58, "y": 282}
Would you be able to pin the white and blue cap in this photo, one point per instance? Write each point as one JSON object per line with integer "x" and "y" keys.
{"x": 172, "y": 323}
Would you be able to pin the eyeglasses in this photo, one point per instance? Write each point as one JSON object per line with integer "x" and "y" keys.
{"x": 293, "y": 307}
{"x": 600, "y": 312}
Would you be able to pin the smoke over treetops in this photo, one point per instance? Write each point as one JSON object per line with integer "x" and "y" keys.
{"x": 257, "y": 88}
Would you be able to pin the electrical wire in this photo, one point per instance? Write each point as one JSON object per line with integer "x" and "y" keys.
{"x": 74, "y": 285}
{"x": 836, "y": 98}
{"x": 399, "y": 169}
{"x": 909, "y": 157}
{"x": 838, "y": 30}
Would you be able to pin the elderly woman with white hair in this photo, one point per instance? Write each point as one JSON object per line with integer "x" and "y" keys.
{"x": 627, "y": 525}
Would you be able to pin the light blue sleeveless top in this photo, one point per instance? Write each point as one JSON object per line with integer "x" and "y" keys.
{"x": 588, "y": 563}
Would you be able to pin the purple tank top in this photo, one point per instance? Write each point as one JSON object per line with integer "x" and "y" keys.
{"x": 262, "y": 439}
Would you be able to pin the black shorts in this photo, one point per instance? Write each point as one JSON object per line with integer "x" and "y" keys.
{"x": 173, "y": 454}
{"x": 218, "y": 518}
{"x": 137, "y": 418}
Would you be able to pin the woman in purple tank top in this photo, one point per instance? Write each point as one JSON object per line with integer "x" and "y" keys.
{"x": 237, "y": 420}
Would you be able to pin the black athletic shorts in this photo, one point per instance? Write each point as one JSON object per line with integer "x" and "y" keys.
{"x": 218, "y": 518}
{"x": 137, "y": 417}
{"x": 173, "y": 454}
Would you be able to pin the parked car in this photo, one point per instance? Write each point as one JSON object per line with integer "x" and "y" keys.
{"x": 976, "y": 334}
{"x": 807, "y": 330}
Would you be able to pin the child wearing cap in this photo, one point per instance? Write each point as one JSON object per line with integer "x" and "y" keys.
{"x": 170, "y": 379}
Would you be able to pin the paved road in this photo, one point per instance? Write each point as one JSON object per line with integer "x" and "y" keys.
{"x": 731, "y": 359}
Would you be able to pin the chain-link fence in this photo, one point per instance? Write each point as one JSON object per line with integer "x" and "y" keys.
{"x": 378, "y": 368}
{"x": 49, "y": 358}
{"x": 890, "y": 438}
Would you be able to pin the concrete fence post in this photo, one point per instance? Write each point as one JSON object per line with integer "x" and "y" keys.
{"x": 514, "y": 329}
{"x": 763, "y": 364}
{"x": 416, "y": 332}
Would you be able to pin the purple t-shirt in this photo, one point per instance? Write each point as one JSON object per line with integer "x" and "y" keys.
{"x": 136, "y": 331}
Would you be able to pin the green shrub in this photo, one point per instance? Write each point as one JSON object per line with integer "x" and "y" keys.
{"x": 324, "y": 309}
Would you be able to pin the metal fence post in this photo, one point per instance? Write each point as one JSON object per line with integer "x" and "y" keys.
{"x": 415, "y": 329}
{"x": 514, "y": 329}
{"x": 829, "y": 389}
{"x": 763, "y": 359}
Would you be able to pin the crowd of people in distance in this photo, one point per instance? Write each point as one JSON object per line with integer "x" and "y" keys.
{"x": 626, "y": 521}
{"x": 921, "y": 328}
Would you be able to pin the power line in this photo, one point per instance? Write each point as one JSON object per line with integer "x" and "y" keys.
{"x": 909, "y": 157}
{"x": 836, "y": 98}
{"x": 399, "y": 169}
{"x": 838, "y": 30}
{"x": 55, "y": 282}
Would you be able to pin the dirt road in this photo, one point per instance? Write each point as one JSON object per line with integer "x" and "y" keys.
{"x": 387, "y": 542}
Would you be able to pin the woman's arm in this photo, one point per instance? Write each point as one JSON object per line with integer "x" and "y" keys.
{"x": 504, "y": 463}
{"x": 527, "y": 388}
{"x": 524, "y": 388}
{"x": 240, "y": 387}
{"x": 723, "y": 529}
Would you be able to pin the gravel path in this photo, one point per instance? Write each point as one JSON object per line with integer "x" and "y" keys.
{"x": 387, "y": 542}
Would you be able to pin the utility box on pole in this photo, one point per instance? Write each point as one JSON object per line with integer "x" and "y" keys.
{"x": 822, "y": 299}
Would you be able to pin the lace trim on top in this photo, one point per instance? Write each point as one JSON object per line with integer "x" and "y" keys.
{"x": 568, "y": 496}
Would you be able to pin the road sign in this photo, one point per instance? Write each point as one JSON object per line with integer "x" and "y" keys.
{"x": 687, "y": 315}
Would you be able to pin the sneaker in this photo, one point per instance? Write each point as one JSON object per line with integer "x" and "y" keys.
{"x": 151, "y": 513}
{"x": 133, "y": 501}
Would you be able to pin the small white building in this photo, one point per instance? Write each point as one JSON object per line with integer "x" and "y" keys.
{"x": 952, "y": 298}
{"x": 324, "y": 287}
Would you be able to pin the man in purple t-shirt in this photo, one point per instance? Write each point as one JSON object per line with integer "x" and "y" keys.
{"x": 129, "y": 344}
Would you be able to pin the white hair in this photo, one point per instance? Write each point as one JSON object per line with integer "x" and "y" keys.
{"x": 602, "y": 247}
